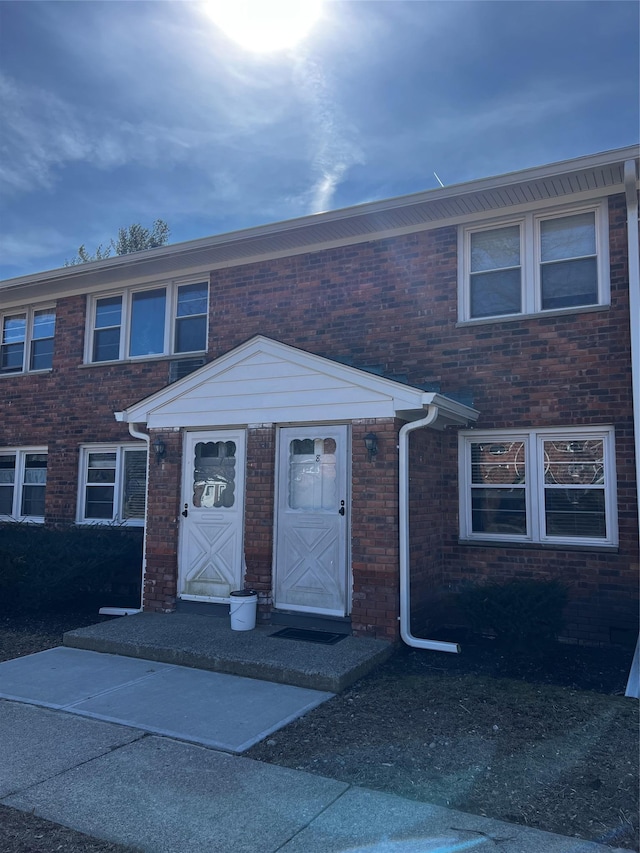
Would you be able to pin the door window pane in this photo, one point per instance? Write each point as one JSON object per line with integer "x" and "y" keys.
{"x": 312, "y": 474}
{"x": 214, "y": 474}
{"x": 147, "y": 322}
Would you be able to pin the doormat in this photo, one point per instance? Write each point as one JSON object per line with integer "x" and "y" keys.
{"x": 307, "y": 635}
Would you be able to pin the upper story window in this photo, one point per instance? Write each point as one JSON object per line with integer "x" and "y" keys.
{"x": 154, "y": 321}
{"x": 23, "y": 479}
{"x": 534, "y": 263}
{"x": 27, "y": 340}
{"x": 546, "y": 486}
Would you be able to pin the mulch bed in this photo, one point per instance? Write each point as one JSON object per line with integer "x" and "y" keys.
{"x": 544, "y": 739}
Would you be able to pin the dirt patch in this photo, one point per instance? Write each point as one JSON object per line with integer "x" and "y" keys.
{"x": 543, "y": 740}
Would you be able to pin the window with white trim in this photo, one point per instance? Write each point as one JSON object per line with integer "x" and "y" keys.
{"x": 113, "y": 484}
{"x": 23, "y": 480}
{"x": 533, "y": 263}
{"x": 166, "y": 320}
{"x": 547, "y": 486}
{"x": 27, "y": 340}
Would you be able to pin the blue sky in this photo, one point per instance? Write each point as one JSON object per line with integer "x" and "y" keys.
{"x": 120, "y": 112}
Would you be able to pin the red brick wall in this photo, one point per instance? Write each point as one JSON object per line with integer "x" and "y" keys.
{"x": 393, "y": 304}
{"x": 259, "y": 514}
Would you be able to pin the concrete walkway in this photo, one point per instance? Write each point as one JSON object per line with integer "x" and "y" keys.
{"x": 63, "y": 761}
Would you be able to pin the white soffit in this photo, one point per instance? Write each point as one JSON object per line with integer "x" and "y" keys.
{"x": 265, "y": 381}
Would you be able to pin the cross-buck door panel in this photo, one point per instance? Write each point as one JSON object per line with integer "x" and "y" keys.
{"x": 312, "y": 520}
{"x": 211, "y": 542}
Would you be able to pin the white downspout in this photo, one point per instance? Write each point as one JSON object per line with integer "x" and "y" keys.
{"x": 128, "y": 611}
{"x": 631, "y": 193}
{"x": 405, "y": 581}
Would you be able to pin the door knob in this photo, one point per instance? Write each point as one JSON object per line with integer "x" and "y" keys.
{"x": 341, "y": 510}
{"x": 185, "y": 511}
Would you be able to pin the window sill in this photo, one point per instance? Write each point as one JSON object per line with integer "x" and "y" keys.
{"x": 96, "y": 522}
{"x": 44, "y": 371}
{"x": 143, "y": 359}
{"x": 510, "y": 318}
{"x": 537, "y": 546}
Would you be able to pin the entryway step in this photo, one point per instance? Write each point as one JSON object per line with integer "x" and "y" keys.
{"x": 210, "y": 644}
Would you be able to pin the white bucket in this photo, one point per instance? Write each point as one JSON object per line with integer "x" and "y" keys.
{"x": 243, "y": 604}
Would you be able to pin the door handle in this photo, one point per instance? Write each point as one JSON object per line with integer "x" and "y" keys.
{"x": 341, "y": 510}
{"x": 185, "y": 511}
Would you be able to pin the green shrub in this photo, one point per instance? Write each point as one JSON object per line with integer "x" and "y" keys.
{"x": 519, "y": 612}
{"x": 67, "y": 568}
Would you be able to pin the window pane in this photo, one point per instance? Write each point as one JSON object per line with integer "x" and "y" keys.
{"x": 568, "y": 237}
{"x": 312, "y": 474}
{"x": 499, "y": 462}
{"x": 569, "y": 283}
{"x": 44, "y": 324}
{"x": 101, "y": 468}
{"x": 99, "y": 502}
{"x": 573, "y": 463}
{"x": 499, "y": 511}
{"x": 147, "y": 322}
{"x": 41, "y": 354}
{"x": 14, "y": 329}
{"x": 106, "y": 344}
{"x": 108, "y": 312}
{"x": 35, "y": 468}
{"x": 496, "y": 249}
{"x": 7, "y": 469}
{"x": 495, "y": 293}
{"x": 191, "y": 334}
{"x": 13, "y": 335}
{"x": 214, "y": 474}
{"x": 135, "y": 483}
{"x": 6, "y": 500}
{"x": 576, "y": 513}
{"x": 7, "y": 478}
{"x": 33, "y": 501}
{"x": 192, "y": 299}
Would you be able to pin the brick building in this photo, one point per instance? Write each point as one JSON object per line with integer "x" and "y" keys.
{"x": 353, "y": 413}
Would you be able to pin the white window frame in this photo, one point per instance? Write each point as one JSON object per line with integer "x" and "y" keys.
{"x": 535, "y": 486}
{"x": 118, "y": 486}
{"x": 170, "y": 320}
{"x": 18, "y": 485}
{"x": 29, "y": 311}
{"x": 530, "y": 261}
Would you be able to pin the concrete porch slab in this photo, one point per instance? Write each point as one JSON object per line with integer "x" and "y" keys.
{"x": 208, "y": 643}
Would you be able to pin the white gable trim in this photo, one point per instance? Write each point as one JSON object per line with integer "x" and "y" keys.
{"x": 265, "y": 381}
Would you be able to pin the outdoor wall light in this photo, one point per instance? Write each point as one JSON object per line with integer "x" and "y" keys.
{"x": 160, "y": 449}
{"x": 371, "y": 443}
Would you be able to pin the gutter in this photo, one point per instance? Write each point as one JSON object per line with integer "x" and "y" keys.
{"x": 631, "y": 193}
{"x": 129, "y": 611}
{"x": 405, "y": 581}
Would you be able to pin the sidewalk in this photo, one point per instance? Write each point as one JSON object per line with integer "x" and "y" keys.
{"x": 176, "y": 794}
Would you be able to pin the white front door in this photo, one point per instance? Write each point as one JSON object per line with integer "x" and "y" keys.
{"x": 211, "y": 544}
{"x": 312, "y": 520}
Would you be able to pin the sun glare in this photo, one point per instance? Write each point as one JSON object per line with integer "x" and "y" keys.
{"x": 264, "y": 26}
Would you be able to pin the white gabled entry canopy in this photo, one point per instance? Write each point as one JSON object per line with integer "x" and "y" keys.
{"x": 265, "y": 381}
